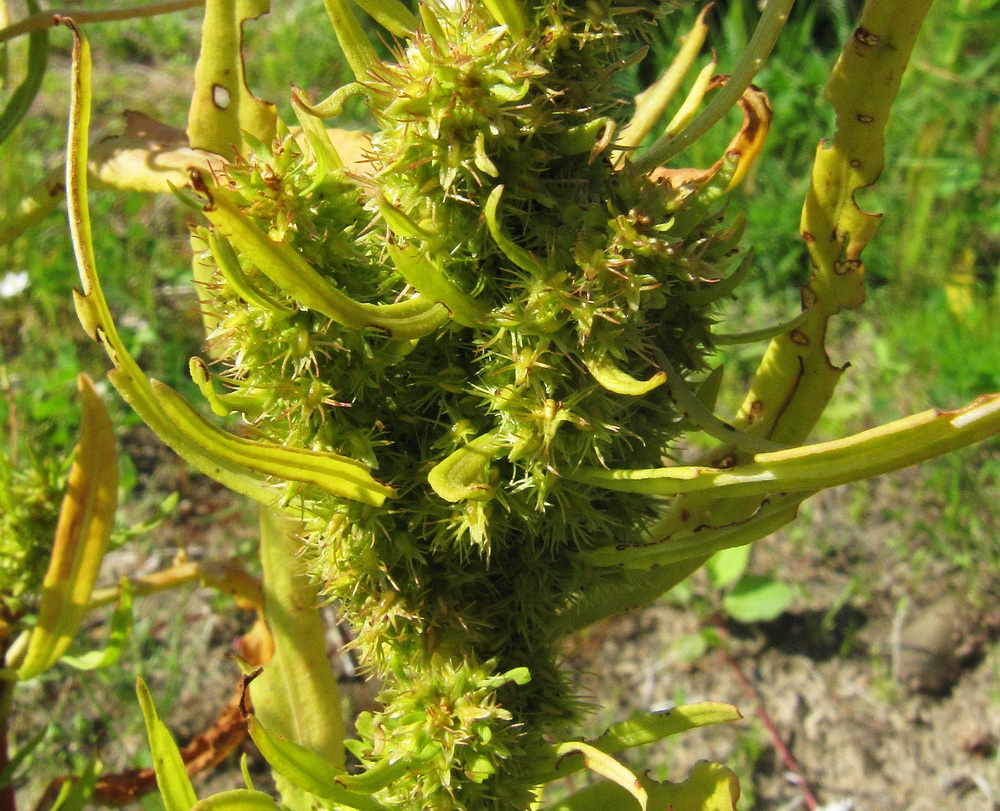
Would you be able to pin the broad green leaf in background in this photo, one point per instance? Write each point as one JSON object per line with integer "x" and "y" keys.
{"x": 757, "y": 598}
{"x": 726, "y": 567}
{"x": 642, "y": 730}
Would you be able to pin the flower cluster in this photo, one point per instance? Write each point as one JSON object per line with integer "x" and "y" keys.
{"x": 492, "y": 305}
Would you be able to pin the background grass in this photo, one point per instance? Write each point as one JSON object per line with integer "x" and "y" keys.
{"x": 927, "y": 336}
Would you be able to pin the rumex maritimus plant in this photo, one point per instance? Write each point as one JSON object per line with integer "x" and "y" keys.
{"x": 466, "y": 368}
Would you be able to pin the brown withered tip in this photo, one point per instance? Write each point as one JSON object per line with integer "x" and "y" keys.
{"x": 245, "y": 704}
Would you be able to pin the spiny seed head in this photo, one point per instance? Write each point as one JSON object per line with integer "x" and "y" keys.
{"x": 29, "y": 511}
{"x": 492, "y": 192}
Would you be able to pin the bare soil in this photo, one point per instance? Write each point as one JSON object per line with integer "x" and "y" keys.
{"x": 885, "y": 696}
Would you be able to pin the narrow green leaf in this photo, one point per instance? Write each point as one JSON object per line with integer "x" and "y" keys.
{"x": 405, "y": 320}
{"x": 762, "y": 334}
{"x": 75, "y": 794}
{"x": 245, "y": 771}
{"x": 764, "y": 37}
{"x": 332, "y": 105}
{"x": 307, "y": 771}
{"x": 709, "y": 388}
{"x": 651, "y": 104}
{"x": 8, "y": 775}
{"x": 335, "y": 474}
{"x": 373, "y": 778}
{"x": 514, "y": 252}
{"x": 296, "y": 697}
{"x": 92, "y": 307}
{"x": 136, "y": 391}
{"x": 20, "y": 100}
{"x": 431, "y": 281}
{"x": 229, "y": 266}
{"x": 870, "y": 453}
{"x": 603, "y": 764}
{"x": 401, "y": 223}
{"x": 354, "y": 43}
{"x": 705, "y": 540}
{"x": 392, "y": 15}
{"x": 237, "y": 800}
{"x": 510, "y": 13}
{"x": 171, "y": 776}
{"x": 606, "y": 372}
{"x": 648, "y": 728}
{"x": 324, "y": 153}
{"x": 719, "y": 290}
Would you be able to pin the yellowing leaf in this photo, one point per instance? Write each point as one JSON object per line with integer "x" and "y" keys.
{"x": 82, "y": 534}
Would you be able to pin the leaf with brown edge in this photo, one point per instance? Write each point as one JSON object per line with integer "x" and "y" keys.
{"x": 745, "y": 146}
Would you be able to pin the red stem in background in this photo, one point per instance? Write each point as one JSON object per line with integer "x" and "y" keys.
{"x": 779, "y": 744}
{"x": 8, "y": 802}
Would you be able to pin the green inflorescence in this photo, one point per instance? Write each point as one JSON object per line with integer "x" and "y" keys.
{"x": 564, "y": 285}
{"x": 30, "y": 496}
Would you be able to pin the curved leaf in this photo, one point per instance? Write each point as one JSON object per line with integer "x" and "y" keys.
{"x": 641, "y": 730}
{"x": 239, "y": 799}
{"x": 870, "y": 453}
{"x": 20, "y": 100}
{"x": 405, "y": 320}
{"x": 606, "y": 372}
{"x": 463, "y": 473}
{"x": 82, "y": 534}
{"x": 332, "y": 473}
